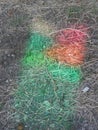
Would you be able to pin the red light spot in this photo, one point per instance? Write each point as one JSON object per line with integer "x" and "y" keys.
{"x": 71, "y": 35}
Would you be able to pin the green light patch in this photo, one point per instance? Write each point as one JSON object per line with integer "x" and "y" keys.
{"x": 39, "y": 42}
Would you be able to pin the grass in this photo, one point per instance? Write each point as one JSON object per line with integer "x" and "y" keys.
{"x": 61, "y": 15}
{"x": 44, "y": 96}
{"x": 41, "y": 100}
{"x": 39, "y": 42}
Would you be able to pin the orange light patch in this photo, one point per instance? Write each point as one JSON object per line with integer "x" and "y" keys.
{"x": 72, "y": 53}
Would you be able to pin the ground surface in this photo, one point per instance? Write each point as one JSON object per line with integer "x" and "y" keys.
{"x": 15, "y": 19}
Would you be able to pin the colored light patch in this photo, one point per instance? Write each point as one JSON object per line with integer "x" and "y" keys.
{"x": 72, "y": 54}
{"x": 69, "y": 36}
{"x": 37, "y": 97}
{"x": 34, "y": 58}
{"x": 38, "y": 42}
{"x": 45, "y": 97}
{"x": 65, "y": 73}
{"x": 41, "y": 26}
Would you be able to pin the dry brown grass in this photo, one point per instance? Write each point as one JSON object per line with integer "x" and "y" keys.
{"x": 16, "y": 18}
